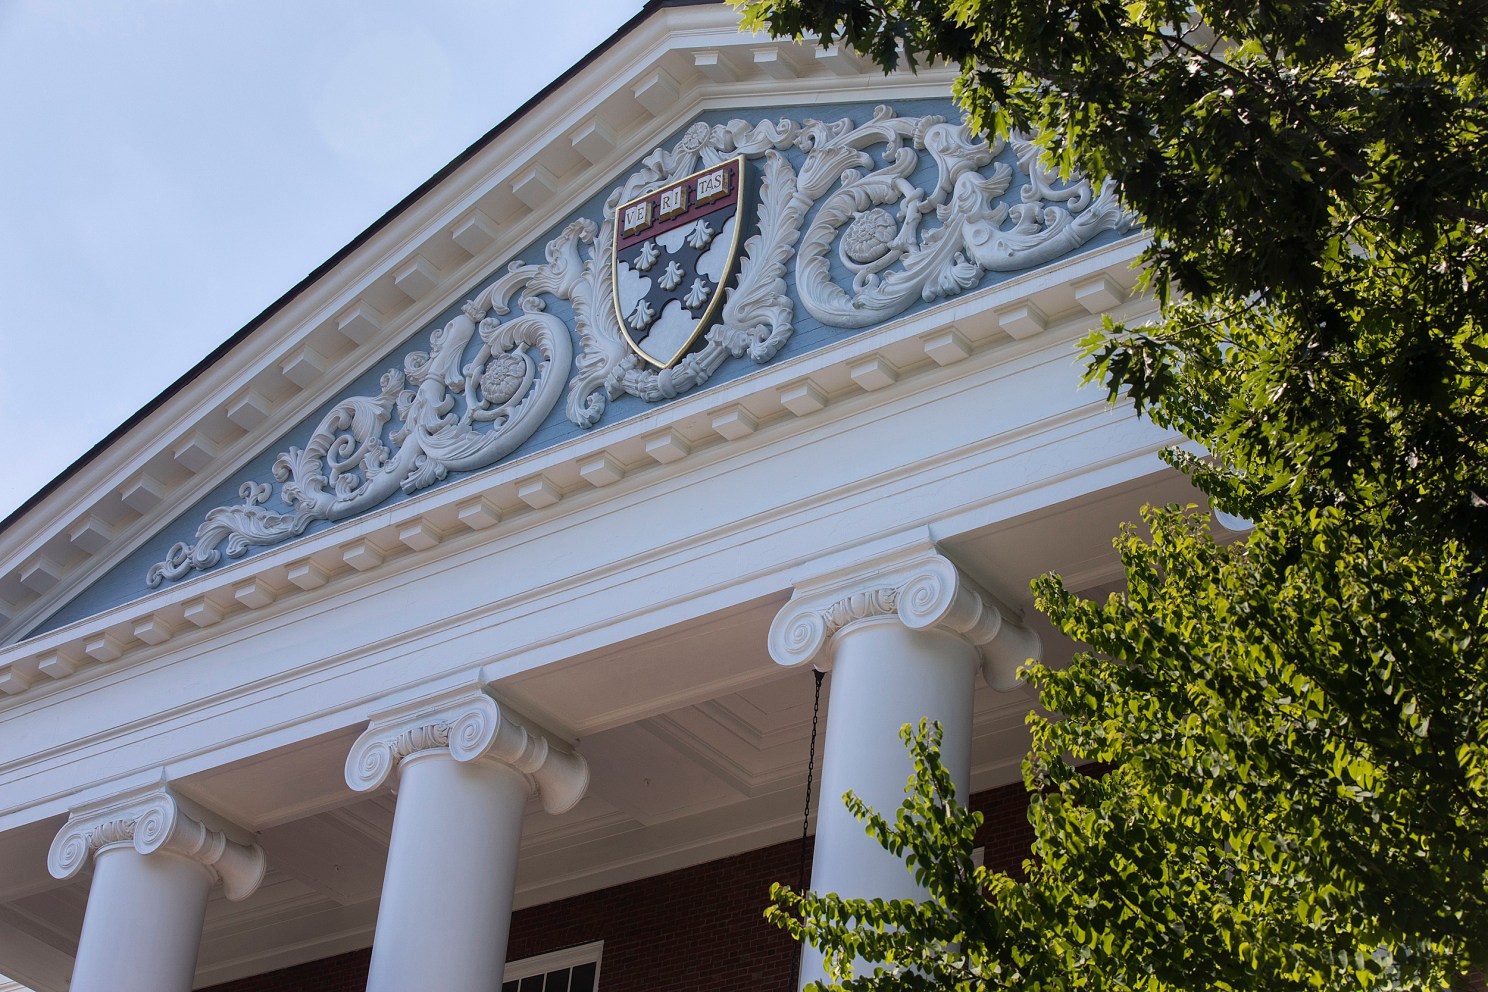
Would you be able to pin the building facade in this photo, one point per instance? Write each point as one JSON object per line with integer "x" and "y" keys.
{"x": 461, "y": 609}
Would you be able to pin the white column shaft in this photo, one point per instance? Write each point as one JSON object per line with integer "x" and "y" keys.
{"x": 884, "y": 675}
{"x": 143, "y": 925}
{"x": 451, "y": 874}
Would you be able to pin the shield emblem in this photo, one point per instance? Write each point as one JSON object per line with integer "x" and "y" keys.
{"x": 675, "y": 250}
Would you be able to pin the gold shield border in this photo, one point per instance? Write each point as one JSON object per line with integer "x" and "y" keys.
{"x": 728, "y": 268}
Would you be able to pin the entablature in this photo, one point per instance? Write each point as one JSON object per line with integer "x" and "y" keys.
{"x": 773, "y": 401}
{"x": 667, "y": 65}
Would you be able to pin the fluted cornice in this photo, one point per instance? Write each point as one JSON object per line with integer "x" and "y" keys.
{"x": 469, "y": 725}
{"x": 924, "y": 590}
{"x": 156, "y": 819}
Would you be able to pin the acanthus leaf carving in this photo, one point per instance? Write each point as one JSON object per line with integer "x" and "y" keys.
{"x": 466, "y": 725}
{"x": 153, "y": 820}
{"x": 923, "y": 590}
{"x": 491, "y": 374}
{"x": 451, "y": 416}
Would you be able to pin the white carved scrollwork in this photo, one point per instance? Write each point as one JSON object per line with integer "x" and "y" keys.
{"x": 154, "y": 820}
{"x": 448, "y": 415}
{"x": 911, "y": 209}
{"x": 467, "y": 724}
{"x": 756, "y": 315}
{"x": 800, "y": 638}
{"x": 924, "y": 591}
{"x": 867, "y": 206}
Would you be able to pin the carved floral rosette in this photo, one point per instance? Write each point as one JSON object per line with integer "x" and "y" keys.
{"x": 923, "y": 591}
{"x": 467, "y": 725}
{"x": 155, "y": 820}
{"x": 879, "y": 241}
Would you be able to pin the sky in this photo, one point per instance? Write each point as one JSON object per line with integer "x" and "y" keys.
{"x": 169, "y": 168}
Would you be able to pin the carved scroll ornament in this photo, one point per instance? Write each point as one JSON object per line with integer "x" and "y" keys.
{"x": 923, "y": 592}
{"x": 467, "y": 725}
{"x": 154, "y": 820}
{"x": 876, "y": 241}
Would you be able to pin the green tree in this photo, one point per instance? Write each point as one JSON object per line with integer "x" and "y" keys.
{"x": 1293, "y": 727}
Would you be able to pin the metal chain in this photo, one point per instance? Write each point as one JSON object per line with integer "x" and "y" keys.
{"x": 806, "y": 814}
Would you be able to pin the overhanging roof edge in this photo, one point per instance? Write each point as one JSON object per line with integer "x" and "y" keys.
{"x": 320, "y": 271}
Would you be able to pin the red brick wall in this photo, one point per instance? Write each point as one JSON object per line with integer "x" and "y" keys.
{"x": 697, "y": 928}
{"x": 342, "y": 973}
{"x": 1006, "y": 834}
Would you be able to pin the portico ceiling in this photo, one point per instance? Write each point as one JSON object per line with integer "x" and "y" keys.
{"x": 697, "y": 743}
{"x": 616, "y": 589}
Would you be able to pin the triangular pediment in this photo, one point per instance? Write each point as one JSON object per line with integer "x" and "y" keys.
{"x": 477, "y": 332}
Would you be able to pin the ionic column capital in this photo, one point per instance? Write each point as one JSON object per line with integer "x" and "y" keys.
{"x": 156, "y": 819}
{"x": 922, "y": 589}
{"x": 468, "y": 724}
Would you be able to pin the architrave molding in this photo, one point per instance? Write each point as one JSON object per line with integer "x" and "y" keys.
{"x": 921, "y": 588}
{"x": 312, "y": 315}
{"x": 1102, "y": 459}
{"x": 212, "y": 596}
{"x": 468, "y": 724}
{"x": 244, "y": 679}
{"x": 154, "y": 819}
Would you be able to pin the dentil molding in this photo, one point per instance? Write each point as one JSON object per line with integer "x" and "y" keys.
{"x": 469, "y": 725}
{"x": 156, "y": 819}
{"x": 839, "y": 212}
{"x": 924, "y": 590}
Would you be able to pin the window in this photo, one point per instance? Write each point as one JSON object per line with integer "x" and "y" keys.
{"x": 574, "y": 969}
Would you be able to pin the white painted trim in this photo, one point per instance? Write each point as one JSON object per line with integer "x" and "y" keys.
{"x": 267, "y": 574}
{"x": 541, "y": 964}
{"x": 602, "y": 88}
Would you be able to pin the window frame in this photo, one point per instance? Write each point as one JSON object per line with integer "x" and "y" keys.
{"x": 542, "y": 964}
